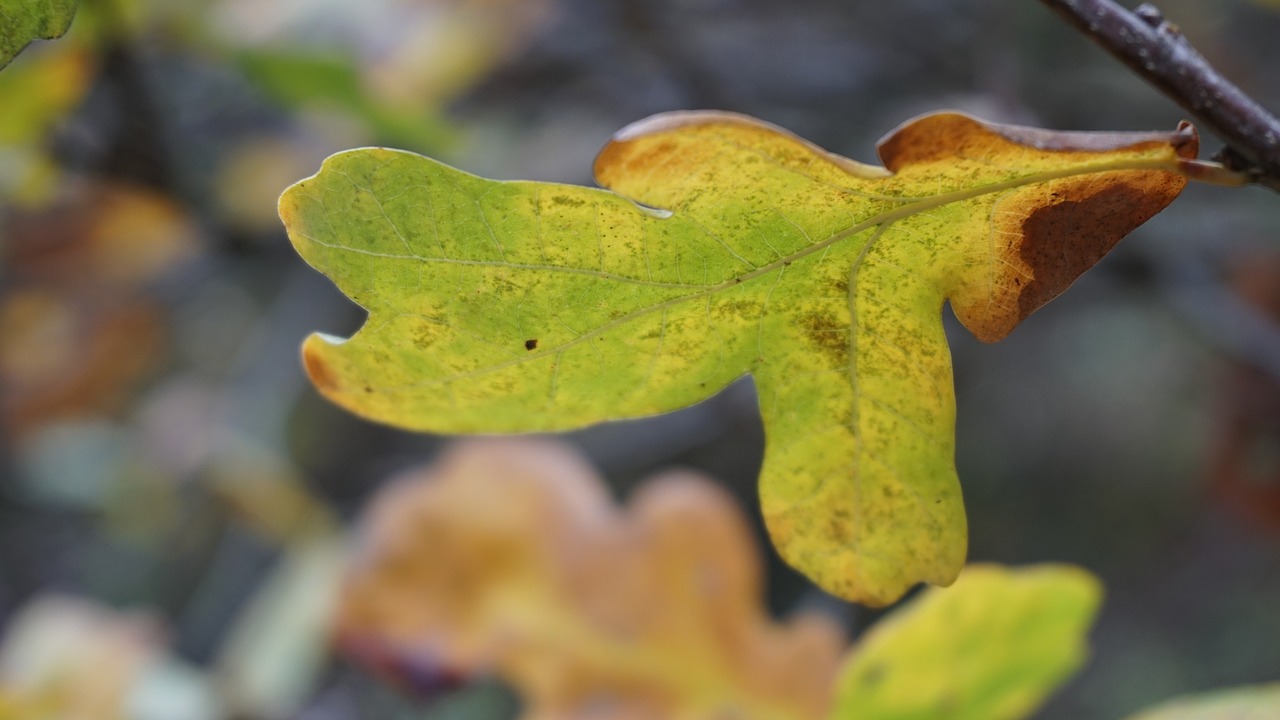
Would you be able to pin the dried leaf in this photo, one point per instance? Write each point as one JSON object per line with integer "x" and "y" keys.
{"x": 991, "y": 647}
{"x": 523, "y": 306}
{"x": 510, "y": 558}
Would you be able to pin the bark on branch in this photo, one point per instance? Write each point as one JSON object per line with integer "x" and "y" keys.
{"x": 1155, "y": 49}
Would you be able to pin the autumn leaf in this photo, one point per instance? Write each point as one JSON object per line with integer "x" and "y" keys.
{"x": 728, "y": 247}
{"x": 1260, "y": 702}
{"x": 510, "y": 558}
{"x": 991, "y": 647}
{"x": 22, "y": 21}
{"x": 82, "y": 329}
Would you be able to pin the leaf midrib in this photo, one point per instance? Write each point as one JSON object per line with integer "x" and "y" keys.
{"x": 885, "y": 218}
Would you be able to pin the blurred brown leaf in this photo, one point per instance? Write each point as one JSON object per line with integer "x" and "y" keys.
{"x": 509, "y": 557}
{"x": 80, "y": 326}
{"x": 1245, "y": 455}
{"x": 63, "y": 357}
{"x": 103, "y": 235}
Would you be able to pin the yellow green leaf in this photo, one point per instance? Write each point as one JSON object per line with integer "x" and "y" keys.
{"x": 989, "y": 648}
{"x": 1260, "y": 702}
{"x": 728, "y": 247}
{"x": 22, "y": 21}
{"x": 509, "y": 557}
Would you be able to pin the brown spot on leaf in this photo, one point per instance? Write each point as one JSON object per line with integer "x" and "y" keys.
{"x": 829, "y": 334}
{"x": 1062, "y": 240}
{"x": 531, "y": 344}
{"x": 1054, "y": 233}
{"x": 736, "y": 309}
{"x": 566, "y": 201}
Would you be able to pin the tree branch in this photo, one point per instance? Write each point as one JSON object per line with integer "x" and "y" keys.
{"x": 1155, "y": 49}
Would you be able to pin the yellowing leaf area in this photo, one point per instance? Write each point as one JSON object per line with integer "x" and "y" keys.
{"x": 724, "y": 247}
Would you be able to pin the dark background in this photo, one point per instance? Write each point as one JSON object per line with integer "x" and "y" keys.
{"x": 1132, "y": 426}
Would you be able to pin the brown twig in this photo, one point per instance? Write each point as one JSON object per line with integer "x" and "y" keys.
{"x": 1155, "y": 49}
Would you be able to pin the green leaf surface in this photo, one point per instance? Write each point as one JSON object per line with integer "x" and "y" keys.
{"x": 991, "y": 647}
{"x": 1259, "y": 702}
{"x": 728, "y": 247}
{"x": 22, "y": 21}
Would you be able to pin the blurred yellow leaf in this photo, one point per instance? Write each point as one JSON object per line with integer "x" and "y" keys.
{"x": 509, "y": 557}
{"x": 73, "y": 659}
{"x": 267, "y": 492}
{"x": 1260, "y": 702}
{"x": 36, "y": 92}
{"x": 67, "y": 658}
{"x": 991, "y": 647}
{"x": 40, "y": 89}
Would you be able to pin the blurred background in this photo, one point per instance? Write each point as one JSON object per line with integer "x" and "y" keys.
{"x": 166, "y": 464}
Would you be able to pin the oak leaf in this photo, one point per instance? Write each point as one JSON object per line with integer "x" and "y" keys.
{"x": 510, "y": 558}
{"x": 729, "y": 247}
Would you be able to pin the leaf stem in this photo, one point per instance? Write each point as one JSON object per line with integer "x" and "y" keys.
{"x": 1156, "y": 50}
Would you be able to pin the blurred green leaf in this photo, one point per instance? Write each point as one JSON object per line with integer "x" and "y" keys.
{"x": 277, "y": 649}
{"x": 992, "y": 646}
{"x": 300, "y": 80}
{"x": 35, "y": 94}
{"x": 28, "y": 20}
{"x": 1258, "y": 702}
{"x": 38, "y": 92}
